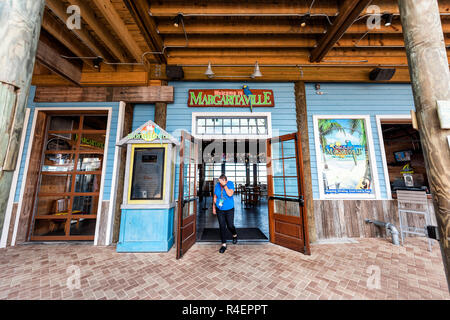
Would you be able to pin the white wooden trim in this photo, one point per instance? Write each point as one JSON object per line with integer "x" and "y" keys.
{"x": 12, "y": 193}
{"x": 115, "y": 176}
{"x": 379, "y": 118}
{"x": 27, "y": 161}
{"x": 24, "y": 177}
{"x": 102, "y": 183}
{"x": 372, "y": 158}
{"x": 268, "y": 115}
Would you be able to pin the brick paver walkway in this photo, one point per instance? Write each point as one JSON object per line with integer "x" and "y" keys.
{"x": 333, "y": 271}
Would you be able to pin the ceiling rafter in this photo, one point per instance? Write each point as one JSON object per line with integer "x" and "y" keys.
{"x": 57, "y": 7}
{"x": 109, "y": 12}
{"x": 139, "y": 9}
{"x": 89, "y": 17}
{"x": 348, "y": 12}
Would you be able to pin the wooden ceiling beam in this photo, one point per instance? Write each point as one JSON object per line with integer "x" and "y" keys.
{"x": 215, "y": 7}
{"x": 90, "y": 18}
{"x": 139, "y": 9}
{"x": 274, "y": 27}
{"x": 52, "y": 60}
{"x": 57, "y": 7}
{"x": 144, "y": 94}
{"x": 283, "y": 41}
{"x": 310, "y": 74}
{"x": 67, "y": 38}
{"x": 109, "y": 12}
{"x": 349, "y": 11}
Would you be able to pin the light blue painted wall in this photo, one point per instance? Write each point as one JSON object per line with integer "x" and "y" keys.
{"x": 356, "y": 99}
{"x": 283, "y": 114}
{"x": 111, "y": 143}
{"x": 141, "y": 114}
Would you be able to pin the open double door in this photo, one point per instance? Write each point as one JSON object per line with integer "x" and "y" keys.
{"x": 287, "y": 212}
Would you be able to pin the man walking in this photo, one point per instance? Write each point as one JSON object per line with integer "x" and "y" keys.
{"x": 223, "y": 207}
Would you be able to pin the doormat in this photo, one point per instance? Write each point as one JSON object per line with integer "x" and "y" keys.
{"x": 211, "y": 234}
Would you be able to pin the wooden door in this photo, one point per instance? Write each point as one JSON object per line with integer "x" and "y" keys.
{"x": 67, "y": 195}
{"x": 287, "y": 210}
{"x": 187, "y": 195}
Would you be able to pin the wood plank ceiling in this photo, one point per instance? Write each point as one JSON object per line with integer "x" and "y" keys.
{"x": 138, "y": 38}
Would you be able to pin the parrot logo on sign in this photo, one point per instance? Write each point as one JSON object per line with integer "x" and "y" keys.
{"x": 248, "y": 93}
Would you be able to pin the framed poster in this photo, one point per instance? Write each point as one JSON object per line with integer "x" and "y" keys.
{"x": 345, "y": 157}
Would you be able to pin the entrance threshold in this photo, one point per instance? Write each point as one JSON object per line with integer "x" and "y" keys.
{"x": 30, "y": 243}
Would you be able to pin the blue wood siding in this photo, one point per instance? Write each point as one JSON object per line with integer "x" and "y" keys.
{"x": 141, "y": 114}
{"x": 111, "y": 143}
{"x": 356, "y": 99}
{"x": 179, "y": 114}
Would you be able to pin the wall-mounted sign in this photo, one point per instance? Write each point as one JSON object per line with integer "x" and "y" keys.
{"x": 344, "y": 156}
{"x": 443, "y": 108}
{"x": 231, "y": 98}
{"x": 149, "y": 133}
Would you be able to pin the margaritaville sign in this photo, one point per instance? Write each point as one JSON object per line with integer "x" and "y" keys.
{"x": 231, "y": 98}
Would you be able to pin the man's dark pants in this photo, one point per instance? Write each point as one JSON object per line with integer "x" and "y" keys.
{"x": 226, "y": 220}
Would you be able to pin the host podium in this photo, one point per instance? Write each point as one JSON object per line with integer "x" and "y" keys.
{"x": 147, "y": 211}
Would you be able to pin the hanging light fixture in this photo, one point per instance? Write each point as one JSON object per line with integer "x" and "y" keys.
{"x": 97, "y": 62}
{"x": 177, "y": 20}
{"x": 209, "y": 73}
{"x": 304, "y": 20}
{"x": 387, "y": 18}
{"x": 257, "y": 73}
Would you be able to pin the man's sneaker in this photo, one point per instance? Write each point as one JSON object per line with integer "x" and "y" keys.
{"x": 222, "y": 249}
{"x": 235, "y": 240}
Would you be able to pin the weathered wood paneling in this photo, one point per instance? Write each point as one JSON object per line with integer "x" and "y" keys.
{"x": 105, "y": 94}
{"x": 32, "y": 179}
{"x": 346, "y": 218}
{"x": 102, "y": 221}
{"x": 11, "y": 224}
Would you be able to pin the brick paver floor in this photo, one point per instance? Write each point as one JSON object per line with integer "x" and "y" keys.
{"x": 245, "y": 271}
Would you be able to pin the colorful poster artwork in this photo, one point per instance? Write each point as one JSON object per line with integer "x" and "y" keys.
{"x": 344, "y": 155}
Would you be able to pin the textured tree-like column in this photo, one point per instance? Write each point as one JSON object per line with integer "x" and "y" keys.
{"x": 20, "y": 25}
{"x": 430, "y": 79}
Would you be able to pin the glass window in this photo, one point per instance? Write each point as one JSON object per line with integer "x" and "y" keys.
{"x": 148, "y": 174}
{"x": 236, "y": 126}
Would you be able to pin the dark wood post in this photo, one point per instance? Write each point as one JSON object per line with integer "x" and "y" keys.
{"x": 430, "y": 79}
{"x": 161, "y": 111}
{"x": 20, "y": 22}
{"x": 302, "y": 125}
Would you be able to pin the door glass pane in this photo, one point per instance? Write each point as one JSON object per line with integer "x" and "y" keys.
{"x": 92, "y": 142}
{"x": 277, "y": 167}
{"x": 290, "y": 167}
{"x": 95, "y": 122}
{"x": 90, "y": 162}
{"x": 278, "y": 186}
{"x": 58, "y": 183}
{"x": 288, "y": 148}
{"x": 291, "y": 187}
{"x": 58, "y": 162}
{"x": 82, "y": 227}
{"x": 64, "y": 123}
{"x": 54, "y": 227}
{"x": 87, "y": 183}
{"x": 52, "y": 205}
{"x": 85, "y": 205}
{"x": 61, "y": 142}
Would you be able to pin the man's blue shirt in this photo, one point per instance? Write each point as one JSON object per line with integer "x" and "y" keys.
{"x": 228, "y": 202}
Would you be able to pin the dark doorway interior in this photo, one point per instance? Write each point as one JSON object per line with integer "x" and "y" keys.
{"x": 246, "y": 168}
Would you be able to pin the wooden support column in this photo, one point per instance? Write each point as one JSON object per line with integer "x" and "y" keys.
{"x": 20, "y": 22}
{"x": 430, "y": 79}
{"x": 161, "y": 111}
{"x": 127, "y": 128}
{"x": 302, "y": 125}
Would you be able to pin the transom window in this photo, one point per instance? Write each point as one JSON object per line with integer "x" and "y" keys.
{"x": 232, "y": 125}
